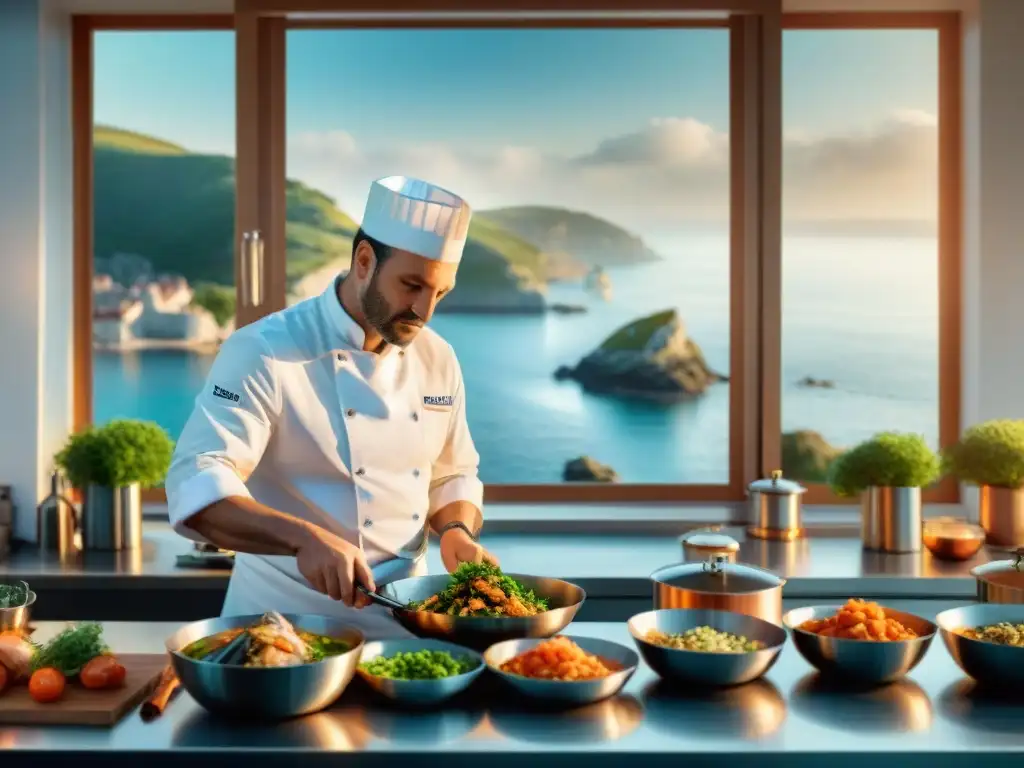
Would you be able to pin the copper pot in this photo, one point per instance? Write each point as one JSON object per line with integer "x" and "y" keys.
{"x": 720, "y": 585}
{"x": 1001, "y": 514}
{"x": 1001, "y": 581}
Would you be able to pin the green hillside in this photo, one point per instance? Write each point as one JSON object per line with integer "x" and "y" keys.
{"x": 176, "y": 209}
{"x": 584, "y": 238}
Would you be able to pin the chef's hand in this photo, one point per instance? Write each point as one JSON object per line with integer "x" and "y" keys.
{"x": 335, "y": 567}
{"x": 458, "y": 547}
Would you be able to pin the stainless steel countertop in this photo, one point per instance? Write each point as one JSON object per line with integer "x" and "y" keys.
{"x": 935, "y": 713}
{"x": 606, "y": 565}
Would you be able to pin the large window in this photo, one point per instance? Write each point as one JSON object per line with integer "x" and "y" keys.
{"x": 862, "y": 263}
{"x": 591, "y": 317}
{"x": 620, "y": 318}
{"x": 163, "y": 218}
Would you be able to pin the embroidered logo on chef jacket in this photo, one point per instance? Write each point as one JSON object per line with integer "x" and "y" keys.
{"x": 438, "y": 402}
{"x": 219, "y": 392}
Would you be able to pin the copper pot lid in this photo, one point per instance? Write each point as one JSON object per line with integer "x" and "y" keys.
{"x": 709, "y": 540}
{"x": 717, "y": 575}
{"x": 1005, "y": 573}
{"x": 777, "y": 485}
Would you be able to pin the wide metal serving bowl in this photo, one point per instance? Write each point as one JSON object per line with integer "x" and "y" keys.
{"x": 866, "y": 662}
{"x": 419, "y": 692}
{"x": 992, "y": 665}
{"x": 564, "y": 600}
{"x": 267, "y": 693}
{"x": 702, "y": 667}
{"x": 573, "y": 692}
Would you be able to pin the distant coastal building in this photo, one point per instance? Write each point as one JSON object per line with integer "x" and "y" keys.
{"x": 150, "y": 314}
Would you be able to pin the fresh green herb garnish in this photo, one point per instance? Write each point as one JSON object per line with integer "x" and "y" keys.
{"x": 14, "y": 595}
{"x": 456, "y": 596}
{"x": 72, "y": 649}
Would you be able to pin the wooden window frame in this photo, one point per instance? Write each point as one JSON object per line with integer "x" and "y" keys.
{"x": 950, "y": 221}
{"x": 755, "y": 195}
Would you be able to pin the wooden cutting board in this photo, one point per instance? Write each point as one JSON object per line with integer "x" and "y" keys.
{"x": 80, "y": 706}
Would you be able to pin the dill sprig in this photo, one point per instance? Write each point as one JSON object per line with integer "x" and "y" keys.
{"x": 72, "y": 649}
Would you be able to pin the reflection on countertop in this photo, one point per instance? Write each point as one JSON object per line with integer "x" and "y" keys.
{"x": 752, "y": 711}
{"x": 898, "y": 707}
{"x": 607, "y": 566}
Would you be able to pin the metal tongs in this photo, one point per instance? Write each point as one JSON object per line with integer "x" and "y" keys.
{"x": 384, "y": 600}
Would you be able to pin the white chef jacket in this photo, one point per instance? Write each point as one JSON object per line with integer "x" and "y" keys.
{"x": 297, "y": 416}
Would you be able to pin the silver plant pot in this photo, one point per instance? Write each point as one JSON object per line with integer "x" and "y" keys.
{"x": 891, "y": 519}
{"x": 112, "y": 518}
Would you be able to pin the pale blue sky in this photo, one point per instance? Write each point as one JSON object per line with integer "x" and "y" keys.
{"x": 447, "y": 105}
{"x": 564, "y": 89}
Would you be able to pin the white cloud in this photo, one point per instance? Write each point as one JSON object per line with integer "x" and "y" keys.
{"x": 672, "y": 169}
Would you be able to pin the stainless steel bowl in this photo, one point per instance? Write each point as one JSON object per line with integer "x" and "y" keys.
{"x": 990, "y": 664}
{"x": 860, "y": 661}
{"x": 272, "y": 693}
{"x": 701, "y": 668}
{"x": 575, "y": 692}
{"x": 419, "y": 692}
{"x": 16, "y": 619}
{"x": 564, "y": 600}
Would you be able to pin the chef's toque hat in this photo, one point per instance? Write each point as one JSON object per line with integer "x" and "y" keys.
{"x": 418, "y": 217}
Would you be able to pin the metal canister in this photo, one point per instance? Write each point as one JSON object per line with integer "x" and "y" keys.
{"x": 56, "y": 520}
{"x": 704, "y": 543}
{"x": 775, "y": 508}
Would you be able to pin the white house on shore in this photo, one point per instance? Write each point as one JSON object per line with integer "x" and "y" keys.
{"x": 150, "y": 314}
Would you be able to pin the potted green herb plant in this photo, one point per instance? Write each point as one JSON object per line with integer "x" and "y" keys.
{"x": 888, "y": 472}
{"x": 110, "y": 465}
{"x": 990, "y": 455}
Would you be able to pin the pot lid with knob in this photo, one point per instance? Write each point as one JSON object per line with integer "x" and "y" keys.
{"x": 706, "y": 542}
{"x": 1005, "y": 573}
{"x": 717, "y": 575}
{"x": 776, "y": 485}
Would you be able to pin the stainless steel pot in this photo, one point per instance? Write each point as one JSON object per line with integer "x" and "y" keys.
{"x": 704, "y": 543}
{"x": 1001, "y": 581}
{"x": 775, "y": 508}
{"x": 719, "y": 585}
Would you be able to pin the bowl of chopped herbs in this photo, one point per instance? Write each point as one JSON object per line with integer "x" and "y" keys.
{"x": 478, "y": 605}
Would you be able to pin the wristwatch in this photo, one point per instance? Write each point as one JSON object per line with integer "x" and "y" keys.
{"x": 461, "y": 525}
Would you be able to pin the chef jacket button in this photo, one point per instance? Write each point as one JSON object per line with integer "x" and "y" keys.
{"x": 367, "y": 523}
{"x": 341, "y": 358}
{"x": 360, "y": 471}
{"x": 350, "y": 412}
{"x": 415, "y": 473}
{"x": 415, "y": 416}
{"x": 401, "y": 353}
{"x": 416, "y": 516}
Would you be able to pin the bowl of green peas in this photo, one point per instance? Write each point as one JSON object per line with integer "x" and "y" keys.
{"x": 419, "y": 671}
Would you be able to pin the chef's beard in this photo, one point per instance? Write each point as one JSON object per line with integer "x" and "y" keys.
{"x": 385, "y": 320}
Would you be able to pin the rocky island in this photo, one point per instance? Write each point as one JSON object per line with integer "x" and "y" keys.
{"x": 651, "y": 358}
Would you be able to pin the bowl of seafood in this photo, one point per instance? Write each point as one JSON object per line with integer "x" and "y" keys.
{"x": 563, "y": 670}
{"x": 860, "y": 641}
{"x": 271, "y": 666}
{"x": 419, "y": 671}
{"x": 479, "y": 605}
{"x": 706, "y": 647}
{"x": 986, "y": 640}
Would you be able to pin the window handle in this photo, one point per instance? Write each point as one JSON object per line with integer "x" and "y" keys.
{"x": 252, "y": 269}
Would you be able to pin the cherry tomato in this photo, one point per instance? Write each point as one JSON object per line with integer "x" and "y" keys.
{"x": 102, "y": 672}
{"x": 3, "y": 677}
{"x": 46, "y": 685}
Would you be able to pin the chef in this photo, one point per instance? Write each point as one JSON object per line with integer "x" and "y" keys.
{"x": 331, "y": 437}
